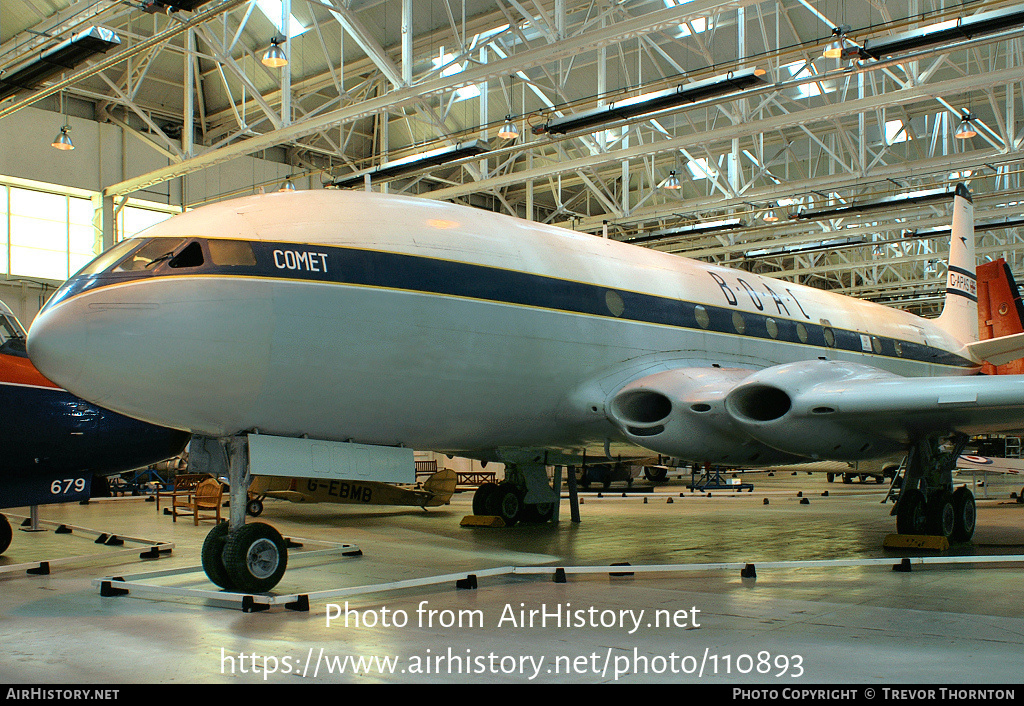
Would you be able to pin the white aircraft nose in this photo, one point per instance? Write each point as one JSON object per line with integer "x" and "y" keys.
{"x": 58, "y": 342}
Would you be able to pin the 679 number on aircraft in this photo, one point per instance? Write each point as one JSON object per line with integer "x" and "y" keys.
{"x": 45, "y": 490}
{"x": 67, "y": 486}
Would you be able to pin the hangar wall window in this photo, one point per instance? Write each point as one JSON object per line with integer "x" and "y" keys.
{"x": 49, "y": 235}
{"x": 133, "y": 219}
{"x": 4, "y": 218}
{"x": 50, "y": 232}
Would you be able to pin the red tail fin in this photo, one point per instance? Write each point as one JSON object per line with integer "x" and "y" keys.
{"x": 1000, "y": 310}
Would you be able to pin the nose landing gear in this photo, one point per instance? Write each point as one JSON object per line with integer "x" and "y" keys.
{"x": 247, "y": 558}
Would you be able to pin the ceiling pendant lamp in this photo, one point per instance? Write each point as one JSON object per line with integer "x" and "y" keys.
{"x": 508, "y": 131}
{"x": 275, "y": 57}
{"x": 63, "y": 140}
{"x": 965, "y": 130}
{"x": 841, "y": 46}
{"x": 672, "y": 182}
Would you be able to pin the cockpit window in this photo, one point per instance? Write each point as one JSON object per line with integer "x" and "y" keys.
{"x": 231, "y": 252}
{"x": 10, "y": 329}
{"x": 149, "y": 255}
{"x": 189, "y": 256}
{"x": 109, "y": 257}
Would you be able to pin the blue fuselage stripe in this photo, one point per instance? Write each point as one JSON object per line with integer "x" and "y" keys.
{"x": 417, "y": 273}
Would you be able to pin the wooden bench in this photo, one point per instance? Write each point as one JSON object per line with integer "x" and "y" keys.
{"x": 476, "y": 478}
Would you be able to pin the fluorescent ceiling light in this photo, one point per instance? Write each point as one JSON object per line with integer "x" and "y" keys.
{"x": 913, "y": 197}
{"x": 732, "y": 82}
{"x": 414, "y": 163}
{"x": 945, "y": 32}
{"x": 696, "y": 228}
{"x": 50, "y": 62}
{"x": 804, "y": 248}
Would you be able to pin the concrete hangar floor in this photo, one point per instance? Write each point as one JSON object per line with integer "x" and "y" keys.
{"x": 949, "y": 624}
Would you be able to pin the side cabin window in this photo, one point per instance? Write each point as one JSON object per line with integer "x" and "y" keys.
{"x": 235, "y": 253}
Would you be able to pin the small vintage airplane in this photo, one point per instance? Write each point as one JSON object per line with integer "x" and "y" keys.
{"x": 990, "y": 464}
{"x": 435, "y": 491}
{"x": 327, "y": 332}
{"x": 53, "y": 444}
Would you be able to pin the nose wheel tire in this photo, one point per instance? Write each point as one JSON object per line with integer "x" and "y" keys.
{"x": 213, "y": 556}
{"x": 6, "y": 534}
{"x": 255, "y": 557}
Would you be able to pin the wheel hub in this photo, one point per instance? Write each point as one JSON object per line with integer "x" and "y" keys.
{"x": 262, "y": 558}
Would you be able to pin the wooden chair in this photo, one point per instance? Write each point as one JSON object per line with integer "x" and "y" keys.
{"x": 208, "y": 498}
{"x": 181, "y": 492}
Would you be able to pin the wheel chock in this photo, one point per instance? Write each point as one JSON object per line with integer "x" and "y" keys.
{"x": 766, "y": 502}
{"x": 42, "y": 570}
{"x": 559, "y": 576}
{"x": 468, "y": 583}
{"x": 153, "y": 553}
{"x": 249, "y": 605}
{"x": 915, "y": 541}
{"x": 300, "y": 605}
{"x": 482, "y": 521}
{"x": 109, "y": 591}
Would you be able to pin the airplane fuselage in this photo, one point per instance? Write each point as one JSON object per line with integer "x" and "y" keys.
{"x": 390, "y": 320}
{"x": 53, "y": 443}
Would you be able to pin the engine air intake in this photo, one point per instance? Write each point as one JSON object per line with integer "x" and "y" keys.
{"x": 641, "y": 407}
{"x": 760, "y": 403}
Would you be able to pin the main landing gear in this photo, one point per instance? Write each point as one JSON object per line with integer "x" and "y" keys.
{"x": 523, "y": 497}
{"x": 247, "y": 558}
{"x": 928, "y": 504}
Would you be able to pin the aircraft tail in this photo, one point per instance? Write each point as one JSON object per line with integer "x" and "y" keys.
{"x": 442, "y": 485}
{"x": 959, "y": 316}
{"x": 1000, "y": 312}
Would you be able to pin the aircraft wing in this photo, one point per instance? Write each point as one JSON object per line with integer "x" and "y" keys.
{"x": 810, "y": 409}
{"x": 987, "y": 464}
